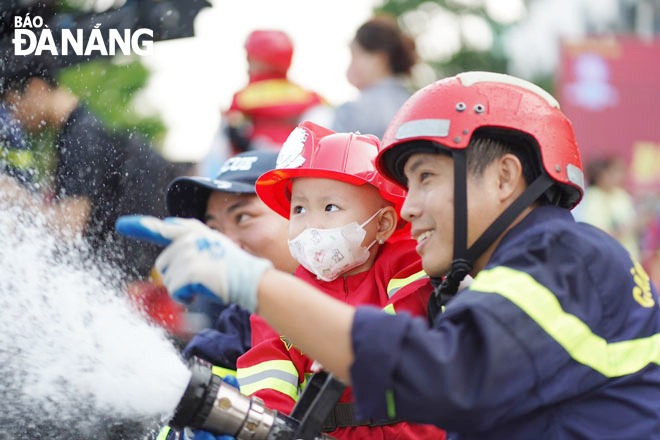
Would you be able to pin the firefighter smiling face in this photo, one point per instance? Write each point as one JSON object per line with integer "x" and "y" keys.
{"x": 429, "y": 206}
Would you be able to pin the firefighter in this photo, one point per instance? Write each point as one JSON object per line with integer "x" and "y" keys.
{"x": 558, "y": 335}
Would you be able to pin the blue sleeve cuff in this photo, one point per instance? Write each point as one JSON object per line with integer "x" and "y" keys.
{"x": 376, "y": 338}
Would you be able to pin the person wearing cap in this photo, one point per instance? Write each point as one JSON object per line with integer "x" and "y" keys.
{"x": 342, "y": 215}
{"x": 558, "y": 335}
{"x": 264, "y": 112}
{"x": 229, "y": 204}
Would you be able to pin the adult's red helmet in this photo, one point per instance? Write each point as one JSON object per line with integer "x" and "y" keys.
{"x": 273, "y": 48}
{"x": 449, "y": 111}
{"x": 315, "y": 151}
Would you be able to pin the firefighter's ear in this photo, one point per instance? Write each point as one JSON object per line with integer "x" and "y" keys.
{"x": 509, "y": 178}
{"x": 387, "y": 220}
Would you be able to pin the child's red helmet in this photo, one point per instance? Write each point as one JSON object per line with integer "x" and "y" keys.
{"x": 314, "y": 151}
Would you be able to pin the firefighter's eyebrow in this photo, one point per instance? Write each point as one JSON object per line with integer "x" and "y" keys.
{"x": 416, "y": 163}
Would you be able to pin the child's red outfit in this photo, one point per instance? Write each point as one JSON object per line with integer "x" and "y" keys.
{"x": 276, "y": 371}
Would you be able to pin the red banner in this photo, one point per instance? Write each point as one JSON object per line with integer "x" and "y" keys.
{"x": 610, "y": 89}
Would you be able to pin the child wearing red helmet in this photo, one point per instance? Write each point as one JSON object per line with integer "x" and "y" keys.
{"x": 263, "y": 113}
{"x": 343, "y": 219}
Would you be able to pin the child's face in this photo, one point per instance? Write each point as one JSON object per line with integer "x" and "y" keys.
{"x": 324, "y": 204}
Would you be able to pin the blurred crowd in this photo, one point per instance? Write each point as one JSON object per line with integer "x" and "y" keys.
{"x": 633, "y": 218}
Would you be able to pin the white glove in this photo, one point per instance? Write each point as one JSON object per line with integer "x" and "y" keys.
{"x": 199, "y": 260}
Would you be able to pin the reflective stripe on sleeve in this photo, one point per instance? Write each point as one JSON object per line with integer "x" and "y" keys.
{"x": 222, "y": 371}
{"x": 389, "y": 309}
{"x": 397, "y": 283}
{"x": 278, "y": 375}
{"x": 162, "y": 435}
{"x": 612, "y": 359}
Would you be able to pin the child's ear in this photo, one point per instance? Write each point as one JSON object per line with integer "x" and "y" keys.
{"x": 387, "y": 221}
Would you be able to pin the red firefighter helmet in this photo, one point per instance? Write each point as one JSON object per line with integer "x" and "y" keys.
{"x": 449, "y": 111}
{"x": 314, "y": 151}
{"x": 273, "y": 48}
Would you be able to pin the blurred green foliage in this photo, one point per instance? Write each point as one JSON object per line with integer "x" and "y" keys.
{"x": 494, "y": 59}
{"x": 109, "y": 89}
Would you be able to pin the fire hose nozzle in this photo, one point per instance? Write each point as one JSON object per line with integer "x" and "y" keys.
{"x": 212, "y": 405}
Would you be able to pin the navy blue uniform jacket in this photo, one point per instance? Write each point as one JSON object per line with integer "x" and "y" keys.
{"x": 557, "y": 338}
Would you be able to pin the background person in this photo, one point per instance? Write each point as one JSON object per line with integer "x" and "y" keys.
{"x": 381, "y": 56}
{"x": 262, "y": 114}
{"x": 229, "y": 204}
{"x": 99, "y": 172}
{"x": 608, "y": 206}
{"x": 16, "y": 159}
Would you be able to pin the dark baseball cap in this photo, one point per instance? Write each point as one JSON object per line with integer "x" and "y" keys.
{"x": 187, "y": 196}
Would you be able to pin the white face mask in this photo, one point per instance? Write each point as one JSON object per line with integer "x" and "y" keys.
{"x": 328, "y": 253}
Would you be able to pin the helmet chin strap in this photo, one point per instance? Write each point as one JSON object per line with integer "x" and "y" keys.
{"x": 464, "y": 258}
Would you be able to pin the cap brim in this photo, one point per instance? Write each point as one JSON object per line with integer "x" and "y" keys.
{"x": 187, "y": 196}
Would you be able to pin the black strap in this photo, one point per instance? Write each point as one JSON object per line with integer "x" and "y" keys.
{"x": 343, "y": 416}
{"x": 460, "y": 265}
{"x": 529, "y": 196}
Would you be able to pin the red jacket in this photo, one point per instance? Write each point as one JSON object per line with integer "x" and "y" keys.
{"x": 276, "y": 371}
{"x": 274, "y": 106}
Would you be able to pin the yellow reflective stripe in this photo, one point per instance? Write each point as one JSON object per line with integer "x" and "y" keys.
{"x": 222, "y": 371}
{"x": 271, "y": 92}
{"x": 20, "y": 159}
{"x": 540, "y": 304}
{"x": 391, "y": 407}
{"x": 271, "y": 383}
{"x": 396, "y": 283}
{"x": 389, "y": 309}
{"x": 278, "y": 375}
{"x": 281, "y": 365}
{"x": 308, "y": 376}
{"x": 162, "y": 435}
